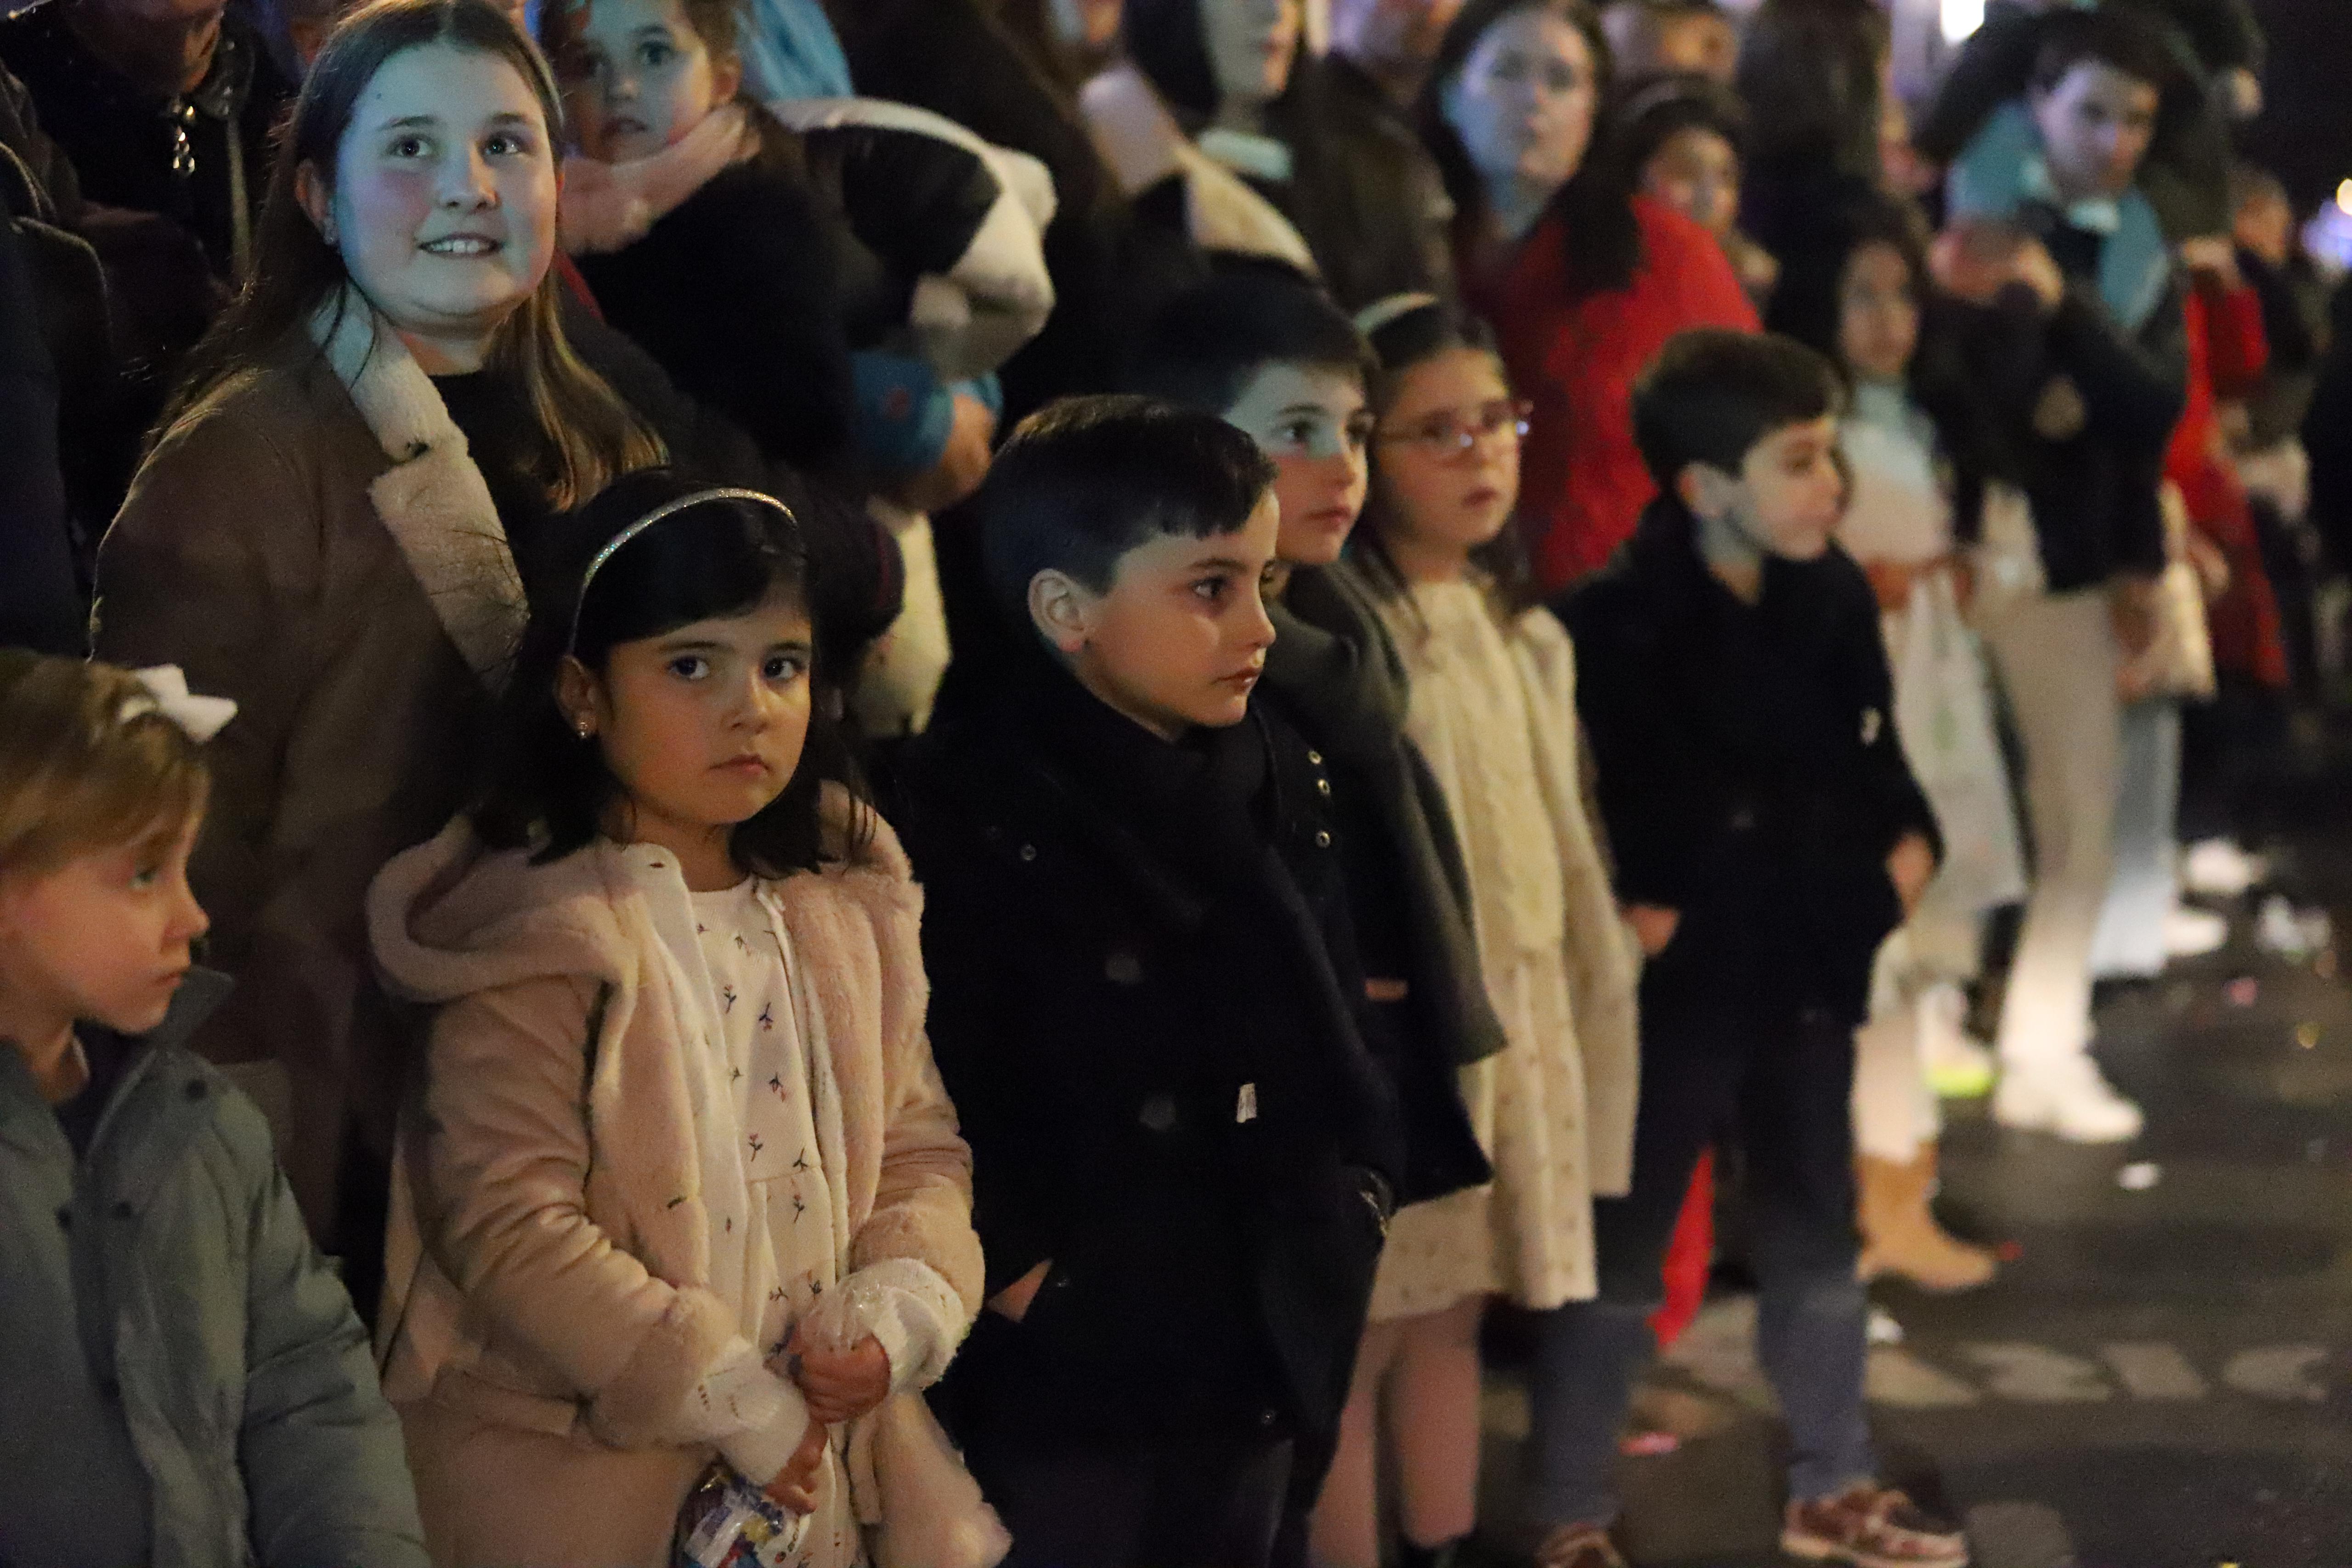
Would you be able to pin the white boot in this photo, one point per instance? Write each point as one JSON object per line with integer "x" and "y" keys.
{"x": 2068, "y": 1098}
{"x": 2193, "y": 933}
{"x": 2217, "y": 868}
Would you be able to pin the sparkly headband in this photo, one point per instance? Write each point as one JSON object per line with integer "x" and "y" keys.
{"x": 1396, "y": 306}
{"x": 596, "y": 562}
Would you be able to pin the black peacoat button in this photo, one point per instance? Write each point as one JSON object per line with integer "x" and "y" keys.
{"x": 1159, "y": 1112}
{"x": 1122, "y": 967}
{"x": 1028, "y": 853}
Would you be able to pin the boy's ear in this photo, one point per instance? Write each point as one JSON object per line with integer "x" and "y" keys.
{"x": 1707, "y": 491}
{"x": 1061, "y": 611}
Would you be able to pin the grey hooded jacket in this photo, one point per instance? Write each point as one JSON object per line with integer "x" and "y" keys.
{"x": 183, "y": 1381}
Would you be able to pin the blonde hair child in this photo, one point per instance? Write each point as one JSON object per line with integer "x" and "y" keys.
{"x": 204, "y": 1389}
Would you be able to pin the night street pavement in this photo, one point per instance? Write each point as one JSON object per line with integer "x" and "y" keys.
{"x": 2162, "y": 1376}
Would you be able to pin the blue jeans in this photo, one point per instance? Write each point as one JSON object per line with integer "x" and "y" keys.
{"x": 1783, "y": 1086}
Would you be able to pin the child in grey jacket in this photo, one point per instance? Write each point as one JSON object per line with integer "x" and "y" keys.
{"x": 187, "y": 1384}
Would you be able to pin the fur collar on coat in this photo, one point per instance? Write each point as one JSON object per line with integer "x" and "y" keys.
{"x": 432, "y": 499}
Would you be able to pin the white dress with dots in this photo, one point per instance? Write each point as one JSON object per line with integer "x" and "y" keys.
{"x": 1492, "y": 713}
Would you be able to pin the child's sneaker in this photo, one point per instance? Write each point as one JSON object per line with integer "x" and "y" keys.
{"x": 1957, "y": 1067}
{"x": 1871, "y": 1526}
{"x": 2068, "y": 1098}
{"x": 2193, "y": 933}
{"x": 1578, "y": 1546}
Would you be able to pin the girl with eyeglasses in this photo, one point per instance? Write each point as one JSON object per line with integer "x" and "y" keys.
{"x": 1494, "y": 713}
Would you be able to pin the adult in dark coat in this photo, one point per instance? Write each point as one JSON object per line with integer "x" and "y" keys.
{"x": 40, "y": 598}
{"x": 2217, "y": 47}
{"x": 169, "y": 117}
{"x": 1357, "y": 183}
{"x": 1145, "y": 1002}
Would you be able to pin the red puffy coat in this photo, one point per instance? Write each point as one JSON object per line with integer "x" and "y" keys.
{"x": 2227, "y": 353}
{"x": 1583, "y": 483}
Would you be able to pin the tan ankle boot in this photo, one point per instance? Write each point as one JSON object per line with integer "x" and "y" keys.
{"x": 1899, "y": 1233}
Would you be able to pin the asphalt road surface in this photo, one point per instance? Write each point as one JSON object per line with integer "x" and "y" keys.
{"x": 2162, "y": 1376}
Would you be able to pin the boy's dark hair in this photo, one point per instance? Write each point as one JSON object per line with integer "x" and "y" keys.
{"x": 1084, "y": 480}
{"x": 2116, "y": 36}
{"x": 1205, "y": 346}
{"x": 1713, "y": 393}
{"x": 549, "y": 787}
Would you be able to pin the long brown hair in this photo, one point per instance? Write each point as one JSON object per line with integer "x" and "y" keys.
{"x": 1602, "y": 238}
{"x": 588, "y": 437}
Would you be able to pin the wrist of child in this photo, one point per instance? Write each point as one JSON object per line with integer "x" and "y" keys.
{"x": 759, "y": 1452}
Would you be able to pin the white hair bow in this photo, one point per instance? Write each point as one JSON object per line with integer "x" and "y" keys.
{"x": 167, "y": 694}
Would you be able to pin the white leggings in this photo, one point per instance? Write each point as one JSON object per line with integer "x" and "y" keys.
{"x": 2056, "y": 657}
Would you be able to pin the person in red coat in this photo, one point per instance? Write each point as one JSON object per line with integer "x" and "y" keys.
{"x": 1582, "y": 282}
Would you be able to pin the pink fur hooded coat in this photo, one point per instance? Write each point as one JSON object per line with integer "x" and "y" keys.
{"x": 544, "y": 1311}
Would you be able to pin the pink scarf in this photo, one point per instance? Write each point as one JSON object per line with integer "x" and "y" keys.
{"x": 610, "y": 206}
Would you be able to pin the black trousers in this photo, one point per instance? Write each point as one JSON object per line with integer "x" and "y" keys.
{"x": 1199, "y": 1503}
{"x": 1782, "y": 1081}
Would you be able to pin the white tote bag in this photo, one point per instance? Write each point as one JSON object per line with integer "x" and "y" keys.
{"x": 1943, "y": 715}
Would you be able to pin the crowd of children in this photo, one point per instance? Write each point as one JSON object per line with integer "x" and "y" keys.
{"x": 836, "y": 983}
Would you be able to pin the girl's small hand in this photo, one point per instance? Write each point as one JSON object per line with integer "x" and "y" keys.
{"x": 794, "y": 1490}
{"x": 842, "y": 1385}
{"x": 1891, "y": 581}
{"x": 1012, "y": 1301}
{"x": 1653, "y": 927}
{"x": 1911, "y": 868}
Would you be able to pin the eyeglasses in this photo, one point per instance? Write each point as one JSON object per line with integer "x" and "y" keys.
{"x": 1449, "y": 435}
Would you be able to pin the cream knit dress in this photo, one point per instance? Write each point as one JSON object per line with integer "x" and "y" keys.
{"x": 1494, "y": 713}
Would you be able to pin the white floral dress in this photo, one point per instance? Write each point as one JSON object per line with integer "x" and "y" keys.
{"x": 1492, "y": 712}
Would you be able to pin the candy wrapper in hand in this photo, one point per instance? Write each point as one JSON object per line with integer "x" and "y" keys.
{"x": 728, "y": 1522}
{"x": 844, "y": 1316}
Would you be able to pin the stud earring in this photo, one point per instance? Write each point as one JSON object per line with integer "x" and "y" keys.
{"x": 585, "y": 729}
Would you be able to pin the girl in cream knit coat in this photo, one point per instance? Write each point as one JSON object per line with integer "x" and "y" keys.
{"x": 1494, "y": 713}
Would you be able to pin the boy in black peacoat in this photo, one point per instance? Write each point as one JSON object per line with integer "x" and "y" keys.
{"x": 1768, "y": 836}
{"x": 1141, "y": 969}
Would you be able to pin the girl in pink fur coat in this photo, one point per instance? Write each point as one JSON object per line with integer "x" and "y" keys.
{"x": 681, "y": 1199}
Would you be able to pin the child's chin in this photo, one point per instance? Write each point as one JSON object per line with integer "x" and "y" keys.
{"x": 137, "y": 1017}
{"x": 1222, "y": 714}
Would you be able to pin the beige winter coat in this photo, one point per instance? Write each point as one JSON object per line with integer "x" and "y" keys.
{"x": 545, "y": 1310}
